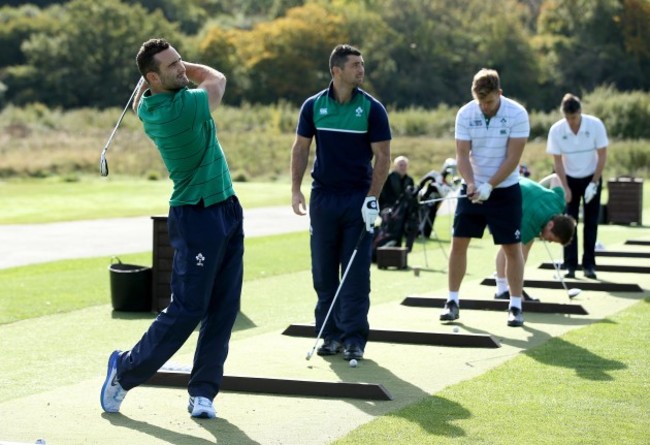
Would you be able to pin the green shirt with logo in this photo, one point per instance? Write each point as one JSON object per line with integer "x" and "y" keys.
{"x": 181, "y": 126}
{"x": 539, "y": 206}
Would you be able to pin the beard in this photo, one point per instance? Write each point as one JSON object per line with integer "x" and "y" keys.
{"x": 175, "y": 83}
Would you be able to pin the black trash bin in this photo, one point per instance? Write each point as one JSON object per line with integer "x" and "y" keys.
{"x": 130, "y": 286}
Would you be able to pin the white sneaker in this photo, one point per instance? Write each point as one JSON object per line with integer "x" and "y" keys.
{"x": 201, "y": 407}
{"x": 112, "y": 392}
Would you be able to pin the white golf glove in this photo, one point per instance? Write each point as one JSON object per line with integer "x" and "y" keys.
{"x": 482, "y": 193}
{"x": 590, "y": 192}
{"x": 370, "y": 212}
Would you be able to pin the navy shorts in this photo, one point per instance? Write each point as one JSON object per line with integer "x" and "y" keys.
{"x": 501, "y": 213}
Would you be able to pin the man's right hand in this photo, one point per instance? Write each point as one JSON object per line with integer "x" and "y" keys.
{"x": 298, "y": 203}
{"x": 470, "y": 190}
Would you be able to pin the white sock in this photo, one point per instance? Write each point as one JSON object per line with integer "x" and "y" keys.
{"x": 502, "y": 284}
{"x": 515, "y": 302}
{"x": 453, "y": 296}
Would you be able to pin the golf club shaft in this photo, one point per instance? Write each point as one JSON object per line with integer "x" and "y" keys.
{"x": 119, "y": 121}
{"x": 555, "y": 266}
{"x": 338, "y": 290}
{"x": 431, "y": 201}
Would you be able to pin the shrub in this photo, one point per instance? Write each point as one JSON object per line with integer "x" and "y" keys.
{"x": 629, "y": 158}
{"x": 626, "y": 115}
{"x": 39, "y": 142}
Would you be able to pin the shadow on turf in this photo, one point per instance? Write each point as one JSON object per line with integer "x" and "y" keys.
{"x": 537, "y": 336}
{"x": 402, "y": 391}
{"x": 222, "y": 430}
{"x": 564, "y": 354}
{"x": 587, "y": 365}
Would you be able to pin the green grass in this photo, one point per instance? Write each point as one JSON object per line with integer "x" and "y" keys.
{"x": 54, "y": 199}
{"x": 590, "y": 386}
{"x": 48, "y": 200}
{"x": 64, "y": 286}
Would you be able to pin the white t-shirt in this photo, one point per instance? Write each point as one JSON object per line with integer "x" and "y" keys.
{"x": 489, "y": 137}
{"x": 579, "y": 155}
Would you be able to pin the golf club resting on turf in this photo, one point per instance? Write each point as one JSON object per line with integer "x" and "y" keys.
{"x": 351, "y": 129}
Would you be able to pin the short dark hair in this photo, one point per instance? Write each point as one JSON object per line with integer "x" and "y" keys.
{"x": 485, "y": 82}
{"x": 340, "y": 55}
{"x": 145, "y": 57}
{"x": 570, "y": 104}
{"x": 564, "y": 226}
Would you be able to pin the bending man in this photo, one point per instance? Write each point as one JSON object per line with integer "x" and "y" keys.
{"x": 541, "y": 216}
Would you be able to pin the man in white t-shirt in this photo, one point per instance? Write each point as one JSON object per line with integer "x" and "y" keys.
{"x": 578, "y": 144}
{"x": 491, "y": 132}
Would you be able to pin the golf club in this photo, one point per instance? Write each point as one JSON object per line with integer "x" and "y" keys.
{"x": 338, "y": 290}
{"x": 431, "y": 201}
{"x": 574, "y": 291}
{"x": 103, "y": 163}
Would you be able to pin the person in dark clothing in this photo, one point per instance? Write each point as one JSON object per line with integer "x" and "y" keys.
{"x": 351, "y": 129}
{"x": 396, "y": 184}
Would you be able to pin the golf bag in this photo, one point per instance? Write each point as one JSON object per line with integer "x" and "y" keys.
{"x": 434, "y": 185}
{"x": 398, "y": 221}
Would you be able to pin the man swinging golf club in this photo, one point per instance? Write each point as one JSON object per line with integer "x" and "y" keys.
{"x": 205, "y": 229}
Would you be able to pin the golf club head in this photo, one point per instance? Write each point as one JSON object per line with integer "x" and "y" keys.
{"x": 574, "y": 292}
{"x": 103, "y": 164}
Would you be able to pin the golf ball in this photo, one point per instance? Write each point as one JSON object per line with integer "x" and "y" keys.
{"x": 456, "y": 329}
{"x": 353, "y": 363}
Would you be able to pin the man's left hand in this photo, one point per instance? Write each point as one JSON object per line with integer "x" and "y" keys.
{"x": 370, "y": 212}
{"x": 590, "y": 192}
{"x": 482, "y": 193}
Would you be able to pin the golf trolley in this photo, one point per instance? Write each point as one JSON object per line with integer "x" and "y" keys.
{"x": 413, "y": 214}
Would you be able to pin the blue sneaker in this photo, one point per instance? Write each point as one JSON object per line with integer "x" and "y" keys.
{"x": 201, "y": 407}
{"x": 112, "y": 392}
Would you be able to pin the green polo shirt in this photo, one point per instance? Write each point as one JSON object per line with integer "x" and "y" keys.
{"x": 181, "y": 126}
{"x": 539, "y": 205}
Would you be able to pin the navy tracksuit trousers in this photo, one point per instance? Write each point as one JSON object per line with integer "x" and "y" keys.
{"x": 336, "y": 224}
{"x": 206, "y": 288}
{"x": 591, "y": 213}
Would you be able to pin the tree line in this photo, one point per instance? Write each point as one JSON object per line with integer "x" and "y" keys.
{"x": 418, "y": 53}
